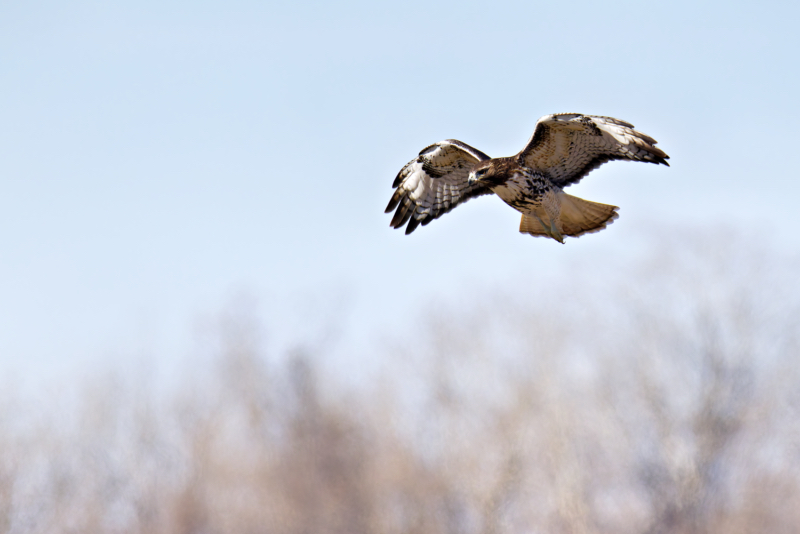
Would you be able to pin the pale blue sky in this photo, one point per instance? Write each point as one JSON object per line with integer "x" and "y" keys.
{"x": 157, "y": 158}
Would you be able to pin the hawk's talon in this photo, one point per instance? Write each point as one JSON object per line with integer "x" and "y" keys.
{"x": 550, "y": 230}
{"x": 554, "y": 233}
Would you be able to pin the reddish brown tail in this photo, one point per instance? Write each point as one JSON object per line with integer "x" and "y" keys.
{"x": 577, "y": 217}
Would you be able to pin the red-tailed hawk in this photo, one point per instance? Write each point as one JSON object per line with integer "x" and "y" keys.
{"x": 562, "y": 150}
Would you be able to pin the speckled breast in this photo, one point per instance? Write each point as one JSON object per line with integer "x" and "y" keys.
{"x": 524, "y": 190}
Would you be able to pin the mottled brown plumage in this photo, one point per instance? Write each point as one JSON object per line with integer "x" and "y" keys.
{"x": 562, "y": 150}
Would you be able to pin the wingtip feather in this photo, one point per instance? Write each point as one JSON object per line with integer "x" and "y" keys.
{"x": 393, "y": 201}
{"x": 412, "y": 225}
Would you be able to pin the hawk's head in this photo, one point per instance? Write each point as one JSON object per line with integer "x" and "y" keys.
{"x": 490, "y": 172}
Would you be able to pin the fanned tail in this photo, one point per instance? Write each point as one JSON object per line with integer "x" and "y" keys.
{"x": 577, "y": 217}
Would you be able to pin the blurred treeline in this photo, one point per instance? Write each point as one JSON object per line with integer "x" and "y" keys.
{"x": 662, "y": 396}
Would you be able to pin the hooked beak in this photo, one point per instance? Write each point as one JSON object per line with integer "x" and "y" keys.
{"x": 472, "y": 178}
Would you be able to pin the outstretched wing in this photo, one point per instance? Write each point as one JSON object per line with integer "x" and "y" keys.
{"x": 568, "y": 146}
{"x": 434, "y": 182}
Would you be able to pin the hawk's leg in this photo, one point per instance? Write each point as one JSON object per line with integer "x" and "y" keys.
{"x": 554, "y": 233}
{"x": 551, "y": 229}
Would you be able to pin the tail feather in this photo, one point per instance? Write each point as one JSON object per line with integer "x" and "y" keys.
{"x": 577, "y": 217}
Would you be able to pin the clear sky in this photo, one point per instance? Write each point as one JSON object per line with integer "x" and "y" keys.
{"x": 159, "y": 158}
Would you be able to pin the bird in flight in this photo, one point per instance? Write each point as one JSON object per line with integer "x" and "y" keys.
{"x": 562, "y": 150}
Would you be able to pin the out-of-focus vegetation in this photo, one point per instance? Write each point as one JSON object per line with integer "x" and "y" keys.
{"x": 665, "y": 398}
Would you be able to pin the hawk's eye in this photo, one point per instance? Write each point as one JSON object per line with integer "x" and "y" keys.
{"x": 480, "y": 172}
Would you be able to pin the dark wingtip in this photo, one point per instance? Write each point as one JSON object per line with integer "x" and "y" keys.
{"x": 659, "y": 160}
{"x": 402, "y": 215}
{"x": 412, "y": 225}
{"x": 400, "y": 175}
{"x": 392, "y": 203}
